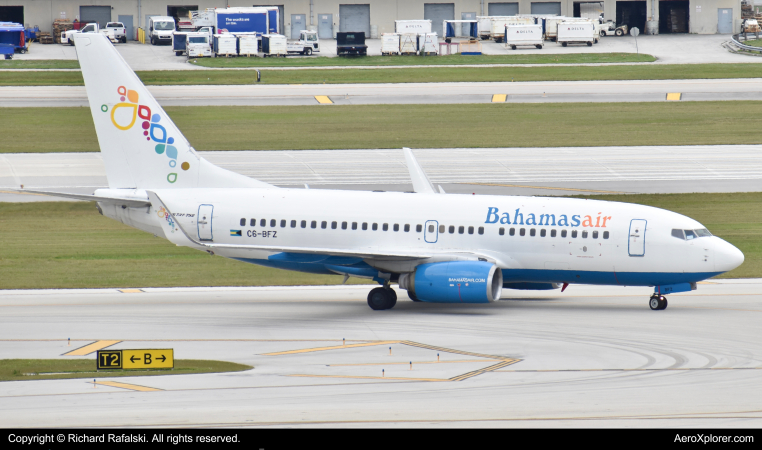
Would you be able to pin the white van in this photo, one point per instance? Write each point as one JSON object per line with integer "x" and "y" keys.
{"x": 160, "y": 29}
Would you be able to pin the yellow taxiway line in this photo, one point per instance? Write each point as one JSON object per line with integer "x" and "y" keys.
{"x": 91, "y": 348}
{"x": 499, "y": 98}
{"x": 132, "y": 387}
{"x": 323, "y": 100}
{"x": 336, "y": 347}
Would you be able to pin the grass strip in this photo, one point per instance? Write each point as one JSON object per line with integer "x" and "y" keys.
{"x": 56, "y": 369}
{"x": 318, "y": 61}
{"x": 753, "y": 43}
{"x": 390, "y": 126}
{"x": 411, "y": 75}
{"x": 38, "y": 64}
{"x": 69, "y": 245}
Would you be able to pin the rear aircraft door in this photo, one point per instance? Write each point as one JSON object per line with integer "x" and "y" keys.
{"x": 637, "y": 244}
{"x": 431, "y": 231}
{"x": 205, "y": 222}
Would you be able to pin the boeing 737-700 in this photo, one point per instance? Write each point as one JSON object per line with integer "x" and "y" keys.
{"x": 441, "y": 248}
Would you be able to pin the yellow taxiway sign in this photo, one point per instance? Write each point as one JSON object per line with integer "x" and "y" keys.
{"x": 153, "y": 358}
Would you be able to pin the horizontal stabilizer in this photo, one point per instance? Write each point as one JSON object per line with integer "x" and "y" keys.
{"x": 129, "y": 202}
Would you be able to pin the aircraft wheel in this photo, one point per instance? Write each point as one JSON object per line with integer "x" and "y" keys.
{"x": 654, "y": 303}
{"x": 663, "y": 302}
{"x": 381, "y": 298}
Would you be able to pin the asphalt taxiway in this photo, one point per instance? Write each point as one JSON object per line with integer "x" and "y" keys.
{"x": 588, "y": 357}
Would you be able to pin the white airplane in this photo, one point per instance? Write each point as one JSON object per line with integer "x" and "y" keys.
{"x": 440, "y": 248}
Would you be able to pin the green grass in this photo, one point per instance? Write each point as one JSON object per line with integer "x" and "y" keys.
{"x": 68, "y": 245}
{"x": 317, "y": 61}
{"x": 754, "y": 43}
{"x": 411, "y": 75}
{"x": 38, "y": 64}
{"x": 56, "y": 369}
{"x": 390, "y": 126}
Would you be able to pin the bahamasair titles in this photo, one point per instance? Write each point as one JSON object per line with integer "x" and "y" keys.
{"x": 440, "y": 248}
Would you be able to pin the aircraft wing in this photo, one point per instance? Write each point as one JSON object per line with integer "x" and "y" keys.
{"x": 132, "y": 203}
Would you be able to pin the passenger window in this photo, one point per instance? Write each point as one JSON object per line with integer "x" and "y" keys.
{"x": 542, "y": 232}
{"x": 595, "y": 235}
{"x": 304, "y": 224}
{"x": 563, "y": 233}
{"x": 452, "y": 229}
{"x": 461, "y": 229}
{"x": 314, "y": 224}
{"x": 689, "y": 234}
{"x": 441, "y": 228}
{"x": 283, "y": 223}
{"x": 293, "y": 224}
{"x": 552, "y": 233}
{"x": 365, "y": 225}
{"x": 678, "y": 234}
{"x": 354, "y": 225}
{"x": 522, "y": 232}
{"x": 262, "y": 222}
{"x": 419, "y": 228}
{"x": 574, "y": 234}
{"x": 513, "y": 232}
{"x": 407, "y": 228}
{"x": 470, "y": 230}
{"x": 501, "y": 231}
{"x": 272, "y": 222}
{"x": 343, "y": 225}
{"x": 253, "y": 222}
{"x": 431, "y": 228}
{"x": 324, "y": 224}
{"x": 584, "y": 235}
{"x": 396, "y": 227}
{"x": 481, "y": 230}
{"x": 385, "y": 227}
{"x": 605, "y": 235}
{"x": 333, "y": 225}
{"x": 375, "y": 226}
{"x": 243, "y": 222}
{"x": 532, "y": 232}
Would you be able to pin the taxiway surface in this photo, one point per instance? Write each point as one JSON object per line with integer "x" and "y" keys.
{"x": 590, "y": 357}
{"x": 407, "y": 93}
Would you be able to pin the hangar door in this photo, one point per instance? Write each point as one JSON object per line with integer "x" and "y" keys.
{"x": 673, "y": 16}
{"x": 438, "y": 13}
{"x": 354, "y": 18}
{"x": 546, "y": 8}
{"x": 502, "y": 9}
{"x": 632, "y": 14}
{"x": 100, "y": 14}
{"x": 12, "y": 14}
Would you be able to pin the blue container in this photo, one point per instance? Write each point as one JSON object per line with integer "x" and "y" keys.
{"x": 13, "y": 33}
{"x": 242, "y": 22}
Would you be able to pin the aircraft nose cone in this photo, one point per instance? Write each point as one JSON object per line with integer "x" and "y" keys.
{"x": 727, "y": 257}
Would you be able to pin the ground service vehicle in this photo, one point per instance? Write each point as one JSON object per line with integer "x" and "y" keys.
{"x": 307, "y": 44}
{"x": 260, "y": 20}
{"x": 351, "y": 44}
{"x": 110, "y": 33}
{"x": 609, "y": 28}
{"x": 118, "y": 31}
{"x": 576, "y": 33}
{"x": 524, "y": 35}
{"x": 160, "y": 29}
{"x": 198, "y": 45}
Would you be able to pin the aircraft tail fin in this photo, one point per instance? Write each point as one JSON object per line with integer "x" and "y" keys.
{"x": 142, "y": 148}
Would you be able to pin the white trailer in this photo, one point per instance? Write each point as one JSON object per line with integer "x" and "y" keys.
{"x": 225, "y": 45}
{"x": 428, "y": 44}
{"x": 307, "y": 44}
{"x": 274, "y": 45}
{"x": 499, "y": 23}
{"x": 409, "y": 44}
{"x": 484, "y": 26}
{"x": 390, "y": 43}
{"x": 551, "y": 26}
{"x": 523, "y": 35}
{"x": 412, "y": 26}
{"x": 459, "y": 29}
{"x": 576, "y": 33}
{"x": 248, "y": 44}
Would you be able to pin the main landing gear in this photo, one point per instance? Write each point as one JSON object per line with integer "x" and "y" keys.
{"x": 382, "y": 298}
{"x": 658, "y": 302}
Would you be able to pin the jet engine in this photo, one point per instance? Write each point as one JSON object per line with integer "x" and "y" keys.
{"x": 454, "y": 282}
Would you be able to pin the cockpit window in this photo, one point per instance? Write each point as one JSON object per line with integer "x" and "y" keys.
{"x": 690, "y": 234}
{"x": 678, "y": 234}
{"x": 703, "y": 232}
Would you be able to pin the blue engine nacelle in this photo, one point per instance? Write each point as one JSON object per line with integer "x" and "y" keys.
{"x": 454, "y": 282}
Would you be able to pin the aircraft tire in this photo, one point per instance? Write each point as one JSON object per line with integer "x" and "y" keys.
{"x": 380, "y": 299}
{"x": 654, "y": 303}
{"x": 663, "y": 303}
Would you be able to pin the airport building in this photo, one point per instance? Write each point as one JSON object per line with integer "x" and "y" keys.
{"x": 377, "y": 16}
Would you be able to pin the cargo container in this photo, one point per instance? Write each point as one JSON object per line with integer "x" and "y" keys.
{"x": 576, "y": 33}
{"x": 499, "y": 23}
{"x": 484, "y": 26}
{"x": 412, "y": 26}
{"x": 390, "y": 43}
{"x": 274, "y": 45}
{"x": 248, "y": 44}
{"x": 351, "y": 43}
{"x": 551, "y": 26}
{"x": 459, "y": 29}
{"x": 523, "y": 35}
{"x": 178, "y": 42}
{"x": 12, "y": 34}
{"x": 225, "y": 45}
{"x": 408, "y": 44}
{"x": 428, "y": 44}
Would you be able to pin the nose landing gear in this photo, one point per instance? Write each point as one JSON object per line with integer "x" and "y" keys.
{"x": 382, "y": 298}
{"x": 658, "y": 302}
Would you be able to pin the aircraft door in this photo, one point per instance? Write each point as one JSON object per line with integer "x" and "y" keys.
{"x": 637, "y": 243}
{"x": 431, "y": 231}
{"x": 205, "y": 222}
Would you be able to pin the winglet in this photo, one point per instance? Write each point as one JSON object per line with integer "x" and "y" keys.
{"x": 421, "y": 182}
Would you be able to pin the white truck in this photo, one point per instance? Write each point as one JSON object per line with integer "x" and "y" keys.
{"x": 160, "y": 29}
{"x": 111, "y": 33}
{"x": 198, "y": 45}
{"x": 307, "y": 44}
{"x": 117, "y": 30}
{"x": 523, "y": 35}
{"x": 573, "y": 32}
